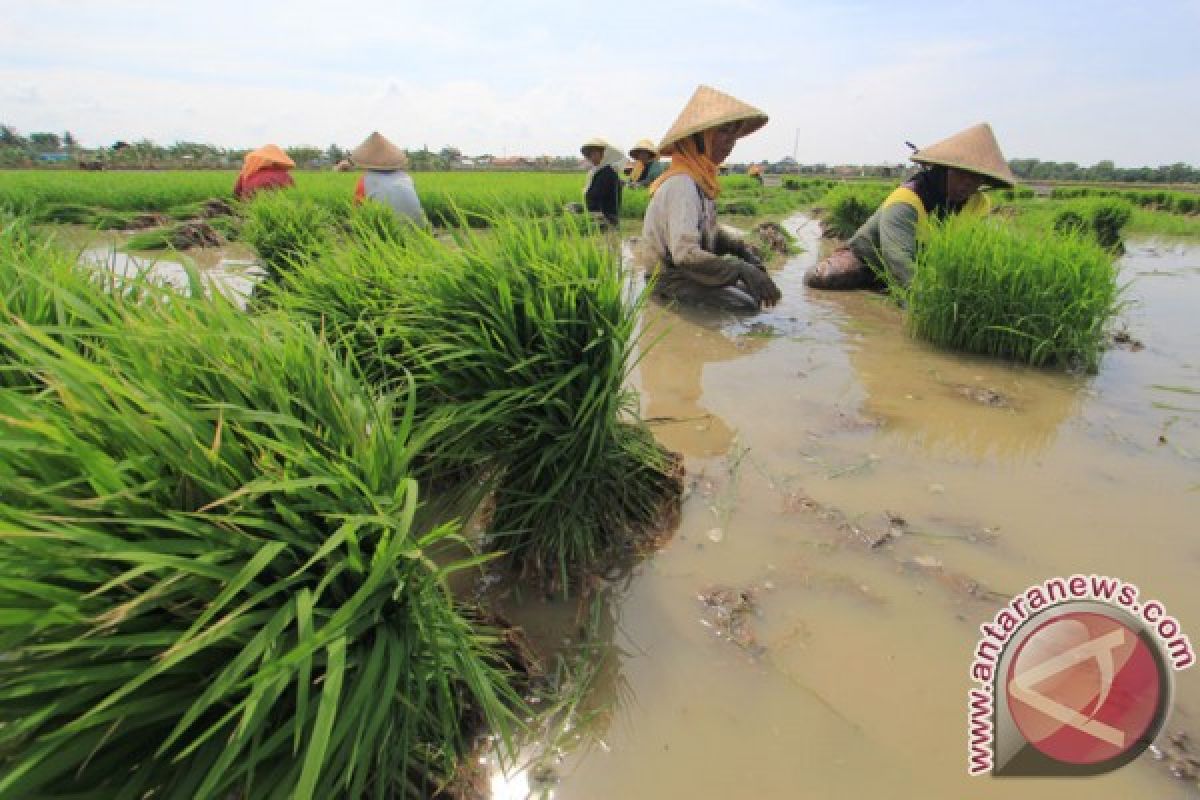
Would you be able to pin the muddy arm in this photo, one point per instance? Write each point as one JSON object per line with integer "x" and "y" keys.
{"x": 732, "y": 241}
{"x": 683, "y": 235}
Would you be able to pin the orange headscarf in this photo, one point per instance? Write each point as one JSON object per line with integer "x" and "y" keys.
{"x": 638, "y": 170}
{"x": 688, "y": 160}
{"x": 269, "y": 155}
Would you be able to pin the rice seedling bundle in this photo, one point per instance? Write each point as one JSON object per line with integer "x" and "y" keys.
{"x": 526, "y": 336}
{"x": 1038, "y": 298}
{"x": 848, "y": 206}
{"x": 1104, "y": 217}
{"x": 530, "y": 330}
{"x": 215, "y": 584}
{"x": 286, "y": 229}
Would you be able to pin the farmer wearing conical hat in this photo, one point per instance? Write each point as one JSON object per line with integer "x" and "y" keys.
{"x": 647, "y": 166}
{"x": 602, "y": 189}
{"x": 691, "y": 257}
{"x": 884, "y": 248}
{"x": 385, "y": 180}
{"x": 264, "y": 168}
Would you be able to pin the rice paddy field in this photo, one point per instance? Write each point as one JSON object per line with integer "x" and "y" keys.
{"x": 460, "y": 512}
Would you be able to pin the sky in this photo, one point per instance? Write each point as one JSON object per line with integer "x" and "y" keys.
{"x": 843, "y": 81}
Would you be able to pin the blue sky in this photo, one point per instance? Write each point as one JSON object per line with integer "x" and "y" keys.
{"x": 842, "y": 81}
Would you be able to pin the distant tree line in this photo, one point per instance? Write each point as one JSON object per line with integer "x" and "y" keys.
{"x": 52, "y": 149}
{"x": 1103, "y": 171}
{"x": 48, "y": 149}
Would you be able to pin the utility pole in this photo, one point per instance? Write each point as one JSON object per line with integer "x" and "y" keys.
{"x": 796, "y": 148}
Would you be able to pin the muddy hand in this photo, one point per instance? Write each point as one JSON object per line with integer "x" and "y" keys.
{"x": 760, "y": 285}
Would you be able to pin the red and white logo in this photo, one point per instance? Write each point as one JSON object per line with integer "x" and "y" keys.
{"x": 1084, "y": 688}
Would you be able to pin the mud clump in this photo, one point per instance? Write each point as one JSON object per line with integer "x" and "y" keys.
{"x": 195, "y": 234}
{"x": 141, "y": 222}
{"x": 216, "y": 207}
{"x": 983, "y": 396}
{"x": 774, "y": 238}
{"x": 730, "y": 612}
{"x": 1126, "y": 341}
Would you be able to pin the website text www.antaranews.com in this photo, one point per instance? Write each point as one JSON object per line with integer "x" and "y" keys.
{"x": 1054, "y": 591}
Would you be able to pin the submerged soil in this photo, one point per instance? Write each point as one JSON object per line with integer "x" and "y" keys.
{"x": 857, "y": 504}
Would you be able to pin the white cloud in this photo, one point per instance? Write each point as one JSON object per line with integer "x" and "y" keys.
{"x": 542, "y": 77}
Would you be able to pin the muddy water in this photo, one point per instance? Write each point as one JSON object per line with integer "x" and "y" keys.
{"x": 230, "y": 270}
{"x": 878, "y": 500}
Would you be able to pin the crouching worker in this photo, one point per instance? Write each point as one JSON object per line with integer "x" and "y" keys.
{"x": 883, "y": 250}
{"x": 385, "y": 180}
{"x": 602, "y": 189}
{"x": 693, "y": 259}
{"x": 265, "y": 168}
{"x": 647, "y": 166}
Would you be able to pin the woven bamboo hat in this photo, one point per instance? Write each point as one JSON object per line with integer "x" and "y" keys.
{"x": 643, "y": 145}
{"x": 709, "y": 108}
{"x": 973, "y": 150}
{"x": 597, "y": 143}
{"x": 376, "y": 152}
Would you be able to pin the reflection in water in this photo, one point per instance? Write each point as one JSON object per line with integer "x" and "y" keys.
{"x": 950, "y": 404}
{"x": 575, "y": 641}
{"x": 233, "y": 277}
{"x": 671, "y": 374}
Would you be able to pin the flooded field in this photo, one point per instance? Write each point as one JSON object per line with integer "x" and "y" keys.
{"x": 859, "y": 503}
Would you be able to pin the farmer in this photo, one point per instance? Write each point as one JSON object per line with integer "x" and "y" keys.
{"x": 647, "y": 166}
{"x": 602, "y": 190}
{"x": 385, "y": 180}
{"x": 264, "y": 168}
{"x": 884, "y": 248}
{"x": 693, "y": 260}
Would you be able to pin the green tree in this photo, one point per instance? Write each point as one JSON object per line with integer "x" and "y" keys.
{"x": 45, "y": 142}
{"x": 304, "y": 154}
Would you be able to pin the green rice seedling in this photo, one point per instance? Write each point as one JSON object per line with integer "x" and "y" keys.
{"x": 186, "y": 211}
{"x": 66, "y": 214}
{"x": 215, "y": 583}
{"x": 525, "y": 336}
{"x": 848, "y": 206}
{"x": 529, "y": 333}
{"x": 740, "y": 206}
{"x": 229, "y": 227}
{"x": 112, "y": 220}
{"x": 1109, "y": 216}
{"x": 285, "y": 229}
{"x": 1040, "y": 298}
{"x": 155, "y": 239}
{"x": 1103, "y": 217}
{"x": 374, "y": 220}
{"x": 1070, "y": 221}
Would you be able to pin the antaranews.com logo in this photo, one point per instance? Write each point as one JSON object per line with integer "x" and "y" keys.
{"x": 1074, "y": 678}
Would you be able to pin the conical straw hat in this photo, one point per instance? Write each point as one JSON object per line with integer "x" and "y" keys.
{"x": 376, "y": 152}
{"x": 709, "y": 108}
{"x": 644, "y": 144}
{"x": 974, "y": 150}
{"x": 597, "y": 142}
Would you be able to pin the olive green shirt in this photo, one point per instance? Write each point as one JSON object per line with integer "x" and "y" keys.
{"x": 887, "y": 242}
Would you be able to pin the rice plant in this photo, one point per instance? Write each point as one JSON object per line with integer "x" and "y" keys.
{"x": 529, "y": 329}
{"x": 215, "y": 584}
{"x": 1040, "y": 298}
{"x": 848, "y": 206}
{"x": 1104, "y": 218}
{"x": 286, "y": 230}
{"x": 525, "y": 335}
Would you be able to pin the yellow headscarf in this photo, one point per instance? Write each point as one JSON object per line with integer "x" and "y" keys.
{"x": 269, "y": 155}
{"x": 688, "y": 160}
{"x": 638, "y": 170}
